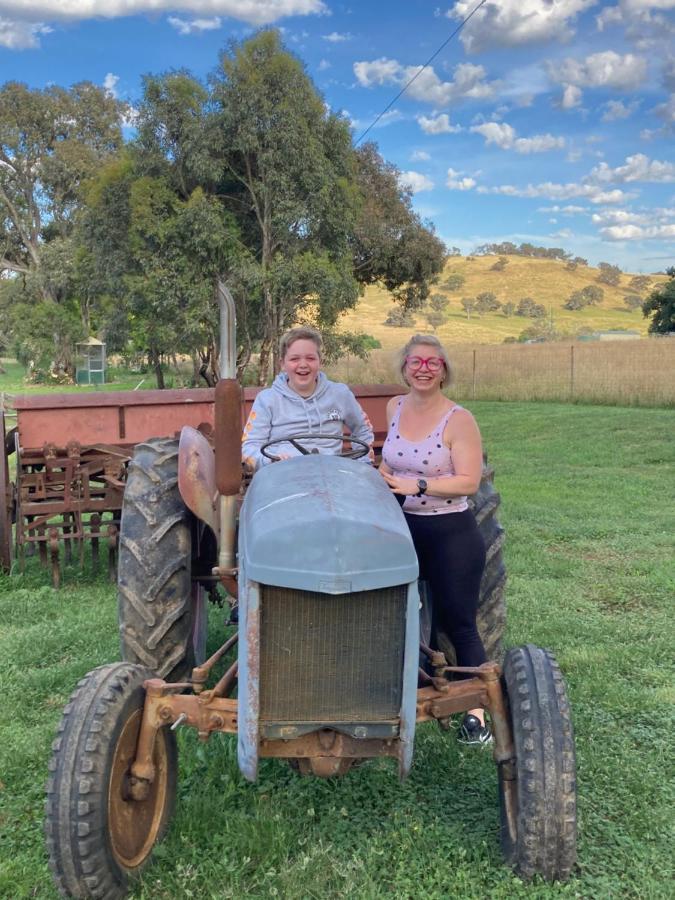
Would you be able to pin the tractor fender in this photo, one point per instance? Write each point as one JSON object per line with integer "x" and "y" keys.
{"x": 197, "y": 476}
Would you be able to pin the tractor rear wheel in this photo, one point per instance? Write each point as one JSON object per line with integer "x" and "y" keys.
{"x": 162, "y": 615}
{"x": 537, "y": 791}
{"x": 98, "y": 837}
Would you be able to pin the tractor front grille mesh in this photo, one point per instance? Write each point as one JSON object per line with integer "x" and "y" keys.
{"x": 331, "y": 658}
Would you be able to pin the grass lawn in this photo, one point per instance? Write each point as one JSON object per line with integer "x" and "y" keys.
{"x": 587, "y": 498}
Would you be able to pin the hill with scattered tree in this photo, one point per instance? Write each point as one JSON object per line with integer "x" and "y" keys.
{"x": 490, "y": 298}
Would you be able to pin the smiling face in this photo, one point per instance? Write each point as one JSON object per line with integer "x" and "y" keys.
{"x": 421, "y": 375}
{"x": 302, "y": 363}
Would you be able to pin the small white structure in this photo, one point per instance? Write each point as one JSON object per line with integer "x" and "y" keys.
{"x": 90, "y": 367}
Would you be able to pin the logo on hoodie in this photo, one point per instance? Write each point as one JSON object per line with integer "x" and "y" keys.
{"x": 334, "y": 415}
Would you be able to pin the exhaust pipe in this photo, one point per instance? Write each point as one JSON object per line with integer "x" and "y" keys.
{"x": 228, "y": 425}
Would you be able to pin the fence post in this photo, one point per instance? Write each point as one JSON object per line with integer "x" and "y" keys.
{"x": 473, "y": 377}
{"x": 571, "y": 370}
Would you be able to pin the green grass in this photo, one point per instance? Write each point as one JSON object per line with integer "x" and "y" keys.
{"x": 586, "y": 503}
{"x": 13, "y": 381}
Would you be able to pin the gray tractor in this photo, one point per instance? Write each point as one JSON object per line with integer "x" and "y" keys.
{"x": 328, "y": 667}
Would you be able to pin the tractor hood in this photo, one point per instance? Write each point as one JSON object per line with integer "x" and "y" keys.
{"x": 322, "y": 523}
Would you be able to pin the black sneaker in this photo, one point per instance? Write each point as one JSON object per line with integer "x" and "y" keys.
{"x": 471, "y": 732}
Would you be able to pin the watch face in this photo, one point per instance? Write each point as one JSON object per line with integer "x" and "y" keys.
{"x": 421, "y": 484}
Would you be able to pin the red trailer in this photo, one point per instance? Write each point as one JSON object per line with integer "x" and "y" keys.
{"x": 71, "y": 458}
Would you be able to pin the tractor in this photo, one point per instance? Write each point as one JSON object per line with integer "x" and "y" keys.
{"x": 329, "y": 646}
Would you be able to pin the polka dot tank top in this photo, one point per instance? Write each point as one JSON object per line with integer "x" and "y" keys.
{"x": 427, "y": 459}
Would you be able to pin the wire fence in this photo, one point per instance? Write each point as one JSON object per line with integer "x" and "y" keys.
{"x": 619, "y": 372}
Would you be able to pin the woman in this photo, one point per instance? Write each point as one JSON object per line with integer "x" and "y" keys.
{"x": 433, "y": 458}
{"x": 302, "y": 401}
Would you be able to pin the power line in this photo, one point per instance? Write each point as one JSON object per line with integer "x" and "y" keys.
{"x": 419, "y": 72}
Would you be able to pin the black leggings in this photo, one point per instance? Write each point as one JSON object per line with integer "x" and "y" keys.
{"x": 451, "y": 554}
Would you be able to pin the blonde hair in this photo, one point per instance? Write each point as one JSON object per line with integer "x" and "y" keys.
{"x": 302, "y": 333}
{"x": 429, "y": 340}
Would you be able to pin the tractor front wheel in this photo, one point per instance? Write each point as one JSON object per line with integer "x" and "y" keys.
{"x": 98, "y": 837}
{"x": 537, "y": 790}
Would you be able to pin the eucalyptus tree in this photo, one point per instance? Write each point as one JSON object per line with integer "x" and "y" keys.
{"x": 392, "y": 246}
{"x": 288, "y": 178}
{"x": 51, "y": 142}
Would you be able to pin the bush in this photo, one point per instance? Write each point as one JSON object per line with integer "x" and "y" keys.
{"x": 400, "y": 318}
{"x": 500, "y": 265}
{"x": 632, "y": 301}
{"x": 660, "y": 305}
{"x": 609, "y": 274}
{"x": 487, "y": 302}
{"x": 528, "y": 307}
{"x": 454, "y": 282}
{"x": 588, "y": 296}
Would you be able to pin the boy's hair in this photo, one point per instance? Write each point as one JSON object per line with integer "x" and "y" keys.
{"x": 302, "y": 333}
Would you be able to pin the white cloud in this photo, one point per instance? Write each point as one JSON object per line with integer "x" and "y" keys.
{"x": 438, "y": 125}
{"x": 456, "y": 182}
{"x": 192, "y": 26}
{"x": 642, "y": 27}
{"x": 637, "y": 232}
{"x": 606, "y": 69}
{"x": 504, "y": 136}
{"x": 554, "y": 191}
{"x": 110, "y": 84}
{"x": 420, "y": 156}
{"x": 563, "y": 210}
{"x": 415, "y": 181}
{"x": 610, "y": 15}
{"x": 253, "y": 12}
{"x": 512, "y": 23}
{"x": 667, "y": 110}
{"x": 617, "y": 109}
{"x": 637, "y": 168}
{"x": 335, "y": 37}
{"x": 468, "y": 81}
{"x": 571, "y": 97}
{"x": 620, "y": 217}
{"x": 323, "y": 65}
{"x": 21, "y": 35}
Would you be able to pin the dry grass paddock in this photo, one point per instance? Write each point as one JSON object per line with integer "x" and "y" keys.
{"x": 630, "y": 373}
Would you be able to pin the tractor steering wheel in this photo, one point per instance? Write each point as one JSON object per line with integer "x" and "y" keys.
{"x": 294, "y": 439}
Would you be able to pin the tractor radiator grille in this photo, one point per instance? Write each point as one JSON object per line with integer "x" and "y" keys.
{"x": 331, "y": 658}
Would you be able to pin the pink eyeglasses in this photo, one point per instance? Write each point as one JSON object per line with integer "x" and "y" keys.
{"x": 433, "y": 363}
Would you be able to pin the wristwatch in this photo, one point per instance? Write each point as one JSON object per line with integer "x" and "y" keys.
{"x": 421, "y": 487}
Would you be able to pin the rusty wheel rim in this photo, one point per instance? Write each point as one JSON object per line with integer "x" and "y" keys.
{"x": 135, "y": 824}
{"x": 510, "y": 807}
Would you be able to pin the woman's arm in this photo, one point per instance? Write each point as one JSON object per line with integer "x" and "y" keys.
{"x": 463, "y": 438}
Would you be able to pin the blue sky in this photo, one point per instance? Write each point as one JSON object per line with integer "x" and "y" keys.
{"x": 547, "y": 121}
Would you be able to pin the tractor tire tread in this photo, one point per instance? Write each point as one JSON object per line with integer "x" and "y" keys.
{"x": 545, "y": 758}
{"x": 76, "y": 790}
{"x": 154, "y": 583}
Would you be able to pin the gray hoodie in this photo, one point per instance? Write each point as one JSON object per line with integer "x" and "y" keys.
{"x": 278, "y": 411}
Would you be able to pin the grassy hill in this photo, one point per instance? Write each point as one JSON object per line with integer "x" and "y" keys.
{"x": 546, "y": 281}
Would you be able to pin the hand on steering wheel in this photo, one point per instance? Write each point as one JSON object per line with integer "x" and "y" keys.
{"x": 294, "y": 440}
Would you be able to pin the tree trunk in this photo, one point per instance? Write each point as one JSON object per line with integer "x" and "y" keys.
{"x": 207, "y": 369}
{"x": 264, "y": 361}
{"x": 156, "y": 363}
